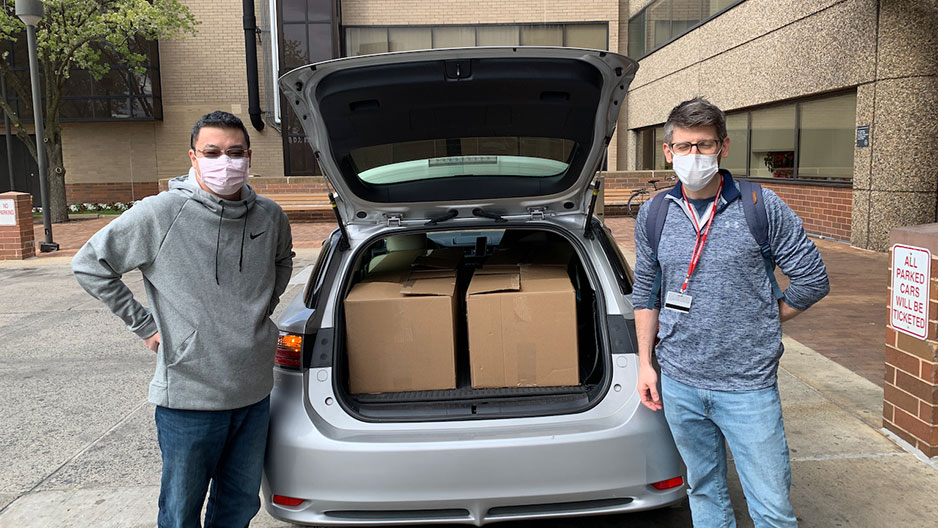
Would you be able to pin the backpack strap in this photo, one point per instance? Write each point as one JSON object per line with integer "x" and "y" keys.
{"x": 758, "y": 221}
{"x": 654, "y": 224}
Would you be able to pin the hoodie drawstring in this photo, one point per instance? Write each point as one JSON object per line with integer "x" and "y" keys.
{"x": 244, "y": 227}
{"x": 218, "y": 241}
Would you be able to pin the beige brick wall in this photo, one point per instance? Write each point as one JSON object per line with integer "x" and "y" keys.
{"x": 109, "y": 152}
{"x": 199, "y": 74}
{"x": 206, "y": 72}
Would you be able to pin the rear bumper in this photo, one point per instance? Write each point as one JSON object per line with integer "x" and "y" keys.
{"x": 475, "y": 473}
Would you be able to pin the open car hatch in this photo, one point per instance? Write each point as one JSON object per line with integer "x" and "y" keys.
{"x": 440, "y": 134}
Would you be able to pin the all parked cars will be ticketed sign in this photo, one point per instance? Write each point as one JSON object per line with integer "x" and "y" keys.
{"x": 911, "y": 276}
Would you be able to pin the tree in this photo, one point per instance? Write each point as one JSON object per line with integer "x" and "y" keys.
{"x": 87, "y": 35}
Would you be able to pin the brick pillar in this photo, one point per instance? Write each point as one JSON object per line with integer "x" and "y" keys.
{"x": 17, "y": 241}
{"x": 910, "y": 407}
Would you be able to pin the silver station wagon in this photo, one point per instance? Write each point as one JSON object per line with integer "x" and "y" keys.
{"x": 464, "y": 350}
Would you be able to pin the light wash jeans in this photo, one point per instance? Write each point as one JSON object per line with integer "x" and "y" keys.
{"x": 751, "y": 423}
{"x": 224, "y": 447}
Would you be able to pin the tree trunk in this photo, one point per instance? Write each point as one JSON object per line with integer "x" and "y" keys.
{"x": 58, "y": 207}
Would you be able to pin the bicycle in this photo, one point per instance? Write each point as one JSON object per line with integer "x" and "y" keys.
{"x": 642, "y": 195}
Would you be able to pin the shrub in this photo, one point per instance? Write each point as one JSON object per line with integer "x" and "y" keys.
{"x": 112, "y": 208}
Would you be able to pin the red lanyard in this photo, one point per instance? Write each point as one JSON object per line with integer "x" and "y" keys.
{"x": 701, "y": 236}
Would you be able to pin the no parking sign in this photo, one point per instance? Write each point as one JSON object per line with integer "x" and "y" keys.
{"x": 7, "y": 213}
{"x": 911, "y": 280}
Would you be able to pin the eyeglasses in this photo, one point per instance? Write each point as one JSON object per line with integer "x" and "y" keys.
{"x": 233, "y": 153}
{"x": 704, "y": 146}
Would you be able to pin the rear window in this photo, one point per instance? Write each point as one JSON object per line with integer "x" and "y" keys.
{"x": 528, "y": 157}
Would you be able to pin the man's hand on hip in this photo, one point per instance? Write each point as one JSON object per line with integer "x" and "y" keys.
{"x": 648, "y": 386}
{"x": 153, "y": 342}
{"x": 785, "y": 311}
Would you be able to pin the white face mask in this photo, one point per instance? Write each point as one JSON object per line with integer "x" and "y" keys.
{"x": 695, "y": 170}
{"x": 223, "y": 175}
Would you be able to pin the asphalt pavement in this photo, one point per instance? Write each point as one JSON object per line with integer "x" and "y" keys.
{"x": 78, "y": 445}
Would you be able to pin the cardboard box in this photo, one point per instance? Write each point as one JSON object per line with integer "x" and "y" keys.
{"x": 400, "y": 332}
{"x": 522, "y": 327}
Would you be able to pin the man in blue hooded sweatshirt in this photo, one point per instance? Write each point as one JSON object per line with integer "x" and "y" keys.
{"x": 215, "y": 258}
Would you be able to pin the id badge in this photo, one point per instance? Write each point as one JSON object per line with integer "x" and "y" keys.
{"x": 677, "y": 302}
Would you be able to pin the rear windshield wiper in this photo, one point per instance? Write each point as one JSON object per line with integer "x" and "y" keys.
{"x": 482, "y": 213}
{"x": 452, "y": 213}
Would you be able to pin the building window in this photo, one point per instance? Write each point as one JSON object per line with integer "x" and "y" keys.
{"x": 737, "y": 128}
{"x": 826, "y": 138}
{"x": 665, "y": 20}
{"x": 808, "y": 141}
{"x": 363, "y": 40}
{"x": 658, "y": 24}
{"x": 637, "y": 36}
{"x": 772, "y": 142}
{"x": 650, "y": 154}
{"x": 121, "y": 95}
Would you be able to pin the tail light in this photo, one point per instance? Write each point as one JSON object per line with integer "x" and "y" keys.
{"x": 289, "y": 351}
{"x": 668, "y": 484}
{"x": 287, "y": 501}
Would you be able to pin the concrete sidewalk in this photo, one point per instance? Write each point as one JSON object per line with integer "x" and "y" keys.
{"x": 78, "y": 445}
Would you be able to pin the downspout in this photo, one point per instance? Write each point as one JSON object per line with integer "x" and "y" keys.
{"x": 250, "y": 59}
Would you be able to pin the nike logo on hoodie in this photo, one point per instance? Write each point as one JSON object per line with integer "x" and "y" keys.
{"x": 253, "y": 236}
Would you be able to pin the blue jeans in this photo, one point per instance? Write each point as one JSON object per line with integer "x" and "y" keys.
{"x": 224, "y": 447}
{"x": 751, "y": 423}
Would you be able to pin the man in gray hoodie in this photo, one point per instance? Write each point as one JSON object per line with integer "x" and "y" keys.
{"x": 718, "y": 323}
{"x": 215, "y": 258}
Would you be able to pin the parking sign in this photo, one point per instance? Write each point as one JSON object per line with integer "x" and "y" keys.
{"x": 7, "y": 213}
{"x": 911, "y": 280}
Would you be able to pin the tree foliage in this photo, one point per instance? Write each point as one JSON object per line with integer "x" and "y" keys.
{"x": 88, "y": 35}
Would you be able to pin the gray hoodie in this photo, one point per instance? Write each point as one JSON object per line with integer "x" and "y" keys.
{"x": 213, "y": 270}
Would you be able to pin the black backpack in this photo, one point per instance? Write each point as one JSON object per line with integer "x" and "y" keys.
{"x": 756, "y": 218}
